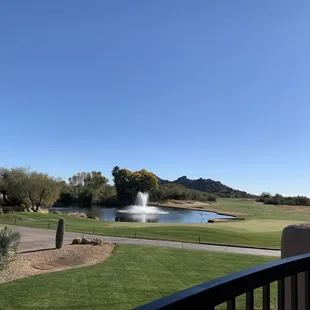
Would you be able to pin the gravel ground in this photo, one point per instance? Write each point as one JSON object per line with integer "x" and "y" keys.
{"x": 68, "y": 257}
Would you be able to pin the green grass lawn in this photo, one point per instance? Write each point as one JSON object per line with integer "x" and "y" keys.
{"x": 209, "y": 233}
{"x": 254, "y": 210}
{"x": 132, "y": 276}
{"x": 261, "y": 228}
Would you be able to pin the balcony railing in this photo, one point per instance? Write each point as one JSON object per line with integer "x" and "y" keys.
{"x": 210, "y": 294}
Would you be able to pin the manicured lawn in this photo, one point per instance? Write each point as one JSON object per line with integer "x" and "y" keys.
{"x": 132, "y": 276}
{"x": 261, "y": 228}
{"x": 209, "y": 233}
{"x": 254, "y": 210}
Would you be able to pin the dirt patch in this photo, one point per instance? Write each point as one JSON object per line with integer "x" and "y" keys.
{"x": 70, "y": 256}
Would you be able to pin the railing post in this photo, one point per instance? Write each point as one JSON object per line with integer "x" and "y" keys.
{"x": 307, "y": 290}
{"x": 295, "y": 241}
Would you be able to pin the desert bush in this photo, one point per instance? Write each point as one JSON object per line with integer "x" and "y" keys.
{"x": 211, "y": 197}
{"x": 9, "y": 242}
{"x": 271, "y": 201}
{"x": 179, "y": 192}
{"x": 7, "y": 210}
{"x": 278, "y": 199}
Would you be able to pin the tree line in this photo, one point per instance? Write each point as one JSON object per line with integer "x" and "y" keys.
{"x": 278, "y": 199}
{"x": 23, "y": 189}
{"x": 180, "y": 192}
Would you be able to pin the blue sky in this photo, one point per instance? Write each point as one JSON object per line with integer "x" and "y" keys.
{"x": 213, "y": 89}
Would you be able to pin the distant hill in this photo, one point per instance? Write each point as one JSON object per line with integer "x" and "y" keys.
{"x": 209, "y": 186}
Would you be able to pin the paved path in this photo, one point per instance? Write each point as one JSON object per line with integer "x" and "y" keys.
{"x": 40, "y": 238}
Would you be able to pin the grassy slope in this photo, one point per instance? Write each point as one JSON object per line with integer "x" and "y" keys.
{"x": 133, "y": 276}
{"x": 254, "y": 210}
{"x": 262, "y": 227}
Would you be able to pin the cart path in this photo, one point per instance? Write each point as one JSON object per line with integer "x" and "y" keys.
{"x": 40, "y": 238}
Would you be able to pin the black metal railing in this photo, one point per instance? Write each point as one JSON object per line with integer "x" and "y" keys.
{"x": 210, "y": 294}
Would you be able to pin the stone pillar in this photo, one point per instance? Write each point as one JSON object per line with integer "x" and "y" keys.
{"x": 295, "y": 241}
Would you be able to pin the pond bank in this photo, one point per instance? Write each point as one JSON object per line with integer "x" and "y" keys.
{"x": 197, "y": 206}
{"x": 189, "y": 205}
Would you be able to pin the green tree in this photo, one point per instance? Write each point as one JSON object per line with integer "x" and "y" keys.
{"x": 41, "y": 190}
{"x": 86, "y": 188}
{"x": 96, "y": 184}
{"x": 76, "y": 183}
{"x": 21, "y": 186}
{"x": 12, "y": 185}
{"x": 128, "y": 183}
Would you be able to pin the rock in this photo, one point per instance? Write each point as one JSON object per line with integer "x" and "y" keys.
{"x": 77, "y": 241}
{"x": 86, "y": 241}
{"x": 92, "y": 217}
{"x": 97, "y": 241}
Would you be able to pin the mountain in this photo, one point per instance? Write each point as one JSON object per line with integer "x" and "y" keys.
{"x": 209, "y": 186}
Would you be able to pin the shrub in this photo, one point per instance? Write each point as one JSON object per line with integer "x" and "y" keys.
{"x": 7, "y": 210}
{"x": 271, "y": 201}
{"x": 60, "y": 233}
{"x": 9, "y": 242}
{"x": 211, "y": 197}
{"x": 77, "y": 241}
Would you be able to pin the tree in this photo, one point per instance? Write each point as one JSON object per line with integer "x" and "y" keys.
{"x": 76, "y": 183}
{"x": 12, "y": 185}
{"x": 264, "y": 197}
{"x": 41, "y": 189}
{"x": 95, "y": 184}
{"x": 145, "y": 181}
{"x": 78, "y": 179}
{"x": 21, "y": 186}
{"x": 86, "y": 188}
{"x": 128, "y": 183}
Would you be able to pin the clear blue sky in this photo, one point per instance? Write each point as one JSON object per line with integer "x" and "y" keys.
{"x": 213, "y": 89}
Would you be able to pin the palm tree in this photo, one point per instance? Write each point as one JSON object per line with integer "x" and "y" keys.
{"x": 9, "y": 242}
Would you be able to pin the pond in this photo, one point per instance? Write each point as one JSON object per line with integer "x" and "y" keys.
{"x": 171, "y": 215}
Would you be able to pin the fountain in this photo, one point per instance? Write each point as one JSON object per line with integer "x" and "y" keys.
{"x": 140, "y": 211}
